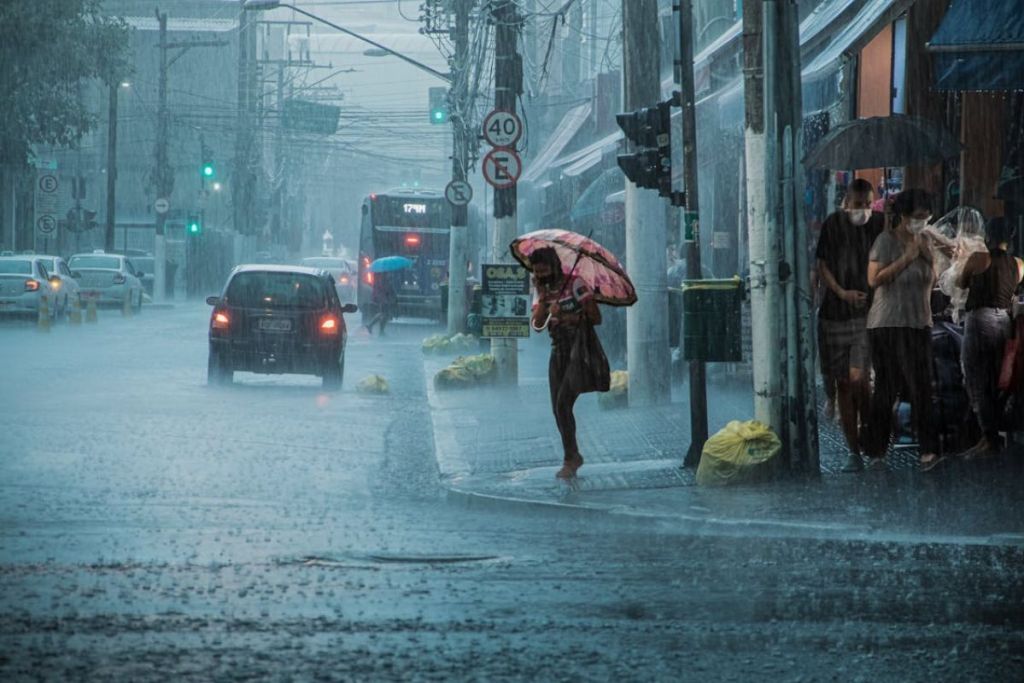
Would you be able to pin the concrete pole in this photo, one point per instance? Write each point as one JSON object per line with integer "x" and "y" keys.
{"x": 163, "y": 171}
{"x": 763, "y": 245}
{"x": 508, "y": 81}
{"x": 460, "y": 160}
{"x": 108, "y": 234}
{"x": 647, "y": 351}
{"x": 783, "y": 92}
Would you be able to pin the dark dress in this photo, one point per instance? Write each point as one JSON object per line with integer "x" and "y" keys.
{"x": 578, "y": 364}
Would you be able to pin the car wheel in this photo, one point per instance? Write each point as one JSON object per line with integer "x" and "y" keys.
{"x": 218, "y": 370}
{"x": 333, "y": 375}
{"x": 138, "y": 305}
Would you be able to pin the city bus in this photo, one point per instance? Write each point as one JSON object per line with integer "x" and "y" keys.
{"x": 414, "y": 224}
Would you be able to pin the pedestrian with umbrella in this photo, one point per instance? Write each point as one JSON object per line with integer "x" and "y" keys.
{"x": 572, "y": 274}
{"x": 384, "y": 296}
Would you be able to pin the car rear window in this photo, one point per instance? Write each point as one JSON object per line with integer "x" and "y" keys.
{"x": 17, "y": 267}
{"x": 275, "y": 290}
{"x": 111, "y": 262}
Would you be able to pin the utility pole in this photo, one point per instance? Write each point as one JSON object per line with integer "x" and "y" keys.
{"x": 646, "y": 321}
{"x": 765, "y": 290}
{"x": 784, "y": 116}
{"x": 163, "y": 175}
{"x": 508, "y": 85}
{"x": 242, "y": 189}
{"x": 691, "y": 231}
{"x": 460, "y": 160}
{"x": 108, "y": 235}
{"x": 781, "y": 326}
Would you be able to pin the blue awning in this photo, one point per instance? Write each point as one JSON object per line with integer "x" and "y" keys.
{"x": 980, "y": 46}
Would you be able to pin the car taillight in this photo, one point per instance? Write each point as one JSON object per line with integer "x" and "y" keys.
{"x": 368, "y": 277}
{"x": 329, "y": 325}
{"x": 343, "y": 280}
{"x": 31, "y": 286}
{"x": 220, "y": 320}
{"x": 119, "y": 279}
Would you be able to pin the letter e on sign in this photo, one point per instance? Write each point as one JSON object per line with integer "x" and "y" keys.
{"x": 502, "y": 168}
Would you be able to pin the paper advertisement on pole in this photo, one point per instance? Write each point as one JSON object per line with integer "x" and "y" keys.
{"x": 505, "y": 301}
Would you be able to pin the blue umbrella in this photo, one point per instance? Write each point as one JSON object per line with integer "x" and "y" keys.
{"x": 389, "y": 264}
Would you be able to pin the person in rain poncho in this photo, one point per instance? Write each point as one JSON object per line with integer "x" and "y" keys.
{"x": 990, "y": 279}
{"x": 842, "y": 257}
{"x": 900, "y": 272}
{"x": 568, "y": 309}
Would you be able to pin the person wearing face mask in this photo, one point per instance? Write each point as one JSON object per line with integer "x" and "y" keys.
{"x": 842, "y": 262}
{"x": 901, "y": 274}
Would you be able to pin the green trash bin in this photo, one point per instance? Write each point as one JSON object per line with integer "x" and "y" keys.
{"x": 712, "y": 320}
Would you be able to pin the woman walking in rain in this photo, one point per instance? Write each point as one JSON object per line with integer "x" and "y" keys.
{"x": 990, "y": 279}
{"x": 566, "y": 305}
{"x": 899, "y": 325}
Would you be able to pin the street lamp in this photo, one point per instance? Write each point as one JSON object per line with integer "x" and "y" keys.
{"x": 263, "y": 5}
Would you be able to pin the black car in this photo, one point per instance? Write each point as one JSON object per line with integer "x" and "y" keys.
{"x": 277, "y": 319}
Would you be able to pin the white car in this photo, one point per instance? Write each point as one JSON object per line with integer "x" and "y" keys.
{"x": 24, "y": 283}
{"x": 107, "y": 278}
{"x": 341, "y": 270}
{"x": 66, "y": 289}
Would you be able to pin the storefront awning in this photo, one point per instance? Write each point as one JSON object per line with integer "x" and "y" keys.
{"x": 855, "y": 35}
{"x": 980, "y": 46}
{"x": 582, "y": 160}
{"x": 563, "y": 135}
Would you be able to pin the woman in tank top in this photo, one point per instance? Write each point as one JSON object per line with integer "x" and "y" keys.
{"x": 990, "y": 279}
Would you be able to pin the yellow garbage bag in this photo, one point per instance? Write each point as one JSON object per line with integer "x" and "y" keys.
{"x": 374, "y": 384}
{"x": 737, "y": 454}
{"x": 466, "y": 371}
{"x": 617, "y": 395}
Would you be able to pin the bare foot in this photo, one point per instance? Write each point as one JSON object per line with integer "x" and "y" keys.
{"x": 569, "y": 467}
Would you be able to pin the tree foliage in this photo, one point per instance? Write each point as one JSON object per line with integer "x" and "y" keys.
{"x": 48, "y": 50}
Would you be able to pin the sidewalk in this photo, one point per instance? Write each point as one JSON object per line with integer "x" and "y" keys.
{"x": 501, "y": 446}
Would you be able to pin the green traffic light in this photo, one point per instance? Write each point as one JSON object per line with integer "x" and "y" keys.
{"x": 208, "y": 170}
{"x": 440, "y": 116}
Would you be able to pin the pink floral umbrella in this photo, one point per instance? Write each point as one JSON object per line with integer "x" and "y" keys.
{"x": 584, "y": 258}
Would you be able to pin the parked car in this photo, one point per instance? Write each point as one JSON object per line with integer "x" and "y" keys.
{"x": 63, "y": 282}
{"x": 24, "y": 283}
{"x": 275, "y": 319}
{"x": 109, "y": 278}
{"x": 345, "y": 275}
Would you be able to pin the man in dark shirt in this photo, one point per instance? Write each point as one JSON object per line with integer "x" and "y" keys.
{"x": 842, "y": 259}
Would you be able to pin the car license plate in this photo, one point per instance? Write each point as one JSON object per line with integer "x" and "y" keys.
{"x": 275, "y": 325}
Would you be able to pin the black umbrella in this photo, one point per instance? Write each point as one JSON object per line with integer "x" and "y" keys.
{"x": 883, "y": 141}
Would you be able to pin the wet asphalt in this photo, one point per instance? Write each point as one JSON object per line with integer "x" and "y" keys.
{"x": 154, "y": 528}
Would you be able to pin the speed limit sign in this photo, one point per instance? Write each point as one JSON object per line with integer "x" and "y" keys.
{"x": 502, "y": 128}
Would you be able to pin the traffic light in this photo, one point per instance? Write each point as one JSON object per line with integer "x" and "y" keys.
{"x": 650, "y": 164}
{"x": 439, "y": 105}
{"x": 194, "y": 226}
{"x": 207, "y": 169}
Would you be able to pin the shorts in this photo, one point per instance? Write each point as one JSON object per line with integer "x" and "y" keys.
{"x": 843, "y": 344}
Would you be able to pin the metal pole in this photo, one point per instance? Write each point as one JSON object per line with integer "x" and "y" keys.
{"x": 698, "y": 386}
{"x": 460, "y": 160}
{"x": 108, "y": 237}
{"x": 508, "y": 80}
{"x": 647, "y": 352}
{"x": 164, "y": 180}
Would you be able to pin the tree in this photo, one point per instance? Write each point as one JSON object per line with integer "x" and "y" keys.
{"x": 48, "y": 48}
